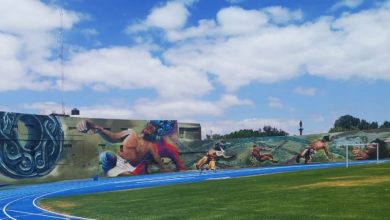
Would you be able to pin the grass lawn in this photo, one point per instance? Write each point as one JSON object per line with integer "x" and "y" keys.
{"x": 359, "y": 192}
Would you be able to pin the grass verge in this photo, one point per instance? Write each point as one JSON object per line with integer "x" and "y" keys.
{"x": 359, "y": 192}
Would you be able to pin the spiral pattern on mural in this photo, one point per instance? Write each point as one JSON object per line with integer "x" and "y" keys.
{"x": 37, "y": 152}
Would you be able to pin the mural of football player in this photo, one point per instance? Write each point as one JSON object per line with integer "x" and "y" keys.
{"x": 309, "y": 152}
{"x": 217, "y": 152}
{"x": 257, "y": 155}
{"x": 138, "y": 150}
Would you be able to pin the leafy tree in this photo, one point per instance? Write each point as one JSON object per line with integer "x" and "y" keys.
{"x": 386, "y": 124}
{"x": 374, "y": 125}
{"x": 247, "y": 133}
{"x": 350, "y": 123}
{"x": 364, "y": 125}
{"x": 346, "y": 122}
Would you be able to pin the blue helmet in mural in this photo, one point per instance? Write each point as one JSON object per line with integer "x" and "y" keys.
{"x": 161, "y": 128}
{"x": 107, "y": 160}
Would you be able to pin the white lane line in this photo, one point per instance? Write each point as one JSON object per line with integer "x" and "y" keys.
{"x": 219, "y": 178}
{"x": 15, "y": 217}
{"x": 9, "y": 203}
{"x": 162, "y": 180}
{"x": 37, "y": 214}
{"x": 60, "y": 214}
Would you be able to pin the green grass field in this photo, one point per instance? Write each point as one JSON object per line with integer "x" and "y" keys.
{"x": 359, "y": 192}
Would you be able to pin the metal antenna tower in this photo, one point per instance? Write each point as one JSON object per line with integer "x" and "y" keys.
{"x": 62, "y": 61}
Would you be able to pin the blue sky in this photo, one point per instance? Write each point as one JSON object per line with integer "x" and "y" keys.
{"x": 227, "y": 64}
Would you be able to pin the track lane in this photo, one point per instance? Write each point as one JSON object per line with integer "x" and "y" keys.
{"x": 21, "y": 202}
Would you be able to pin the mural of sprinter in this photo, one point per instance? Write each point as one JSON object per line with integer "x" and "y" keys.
{"x": 139, "y": 150}
{"x": 309, "y": 152}
{"x": 217, "y": 152}
{"x": 257, "y": 155}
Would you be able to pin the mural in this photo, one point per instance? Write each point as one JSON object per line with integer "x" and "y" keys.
{"x": 155, "y": 145}
{"x": 289, "y": 150}
{"x": 29, "y": 154}
{"x": 41, "y": 148}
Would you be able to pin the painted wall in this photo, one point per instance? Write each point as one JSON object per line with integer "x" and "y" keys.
{"x": 41, "y": 148}
{"x": 271, "y": 151}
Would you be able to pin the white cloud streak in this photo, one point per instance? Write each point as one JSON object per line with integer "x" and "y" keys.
{"x": 305, "y": 91}
{"x": 180, "y": 109}
{"x": 274, "y": 102}
{"x": 346, "y": 4}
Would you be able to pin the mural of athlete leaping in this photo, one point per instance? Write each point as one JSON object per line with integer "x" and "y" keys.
{"x": 215, "y": 153}
{"x": 139, "y": 150}
{"x": 261, "y": 157}
{"x": 309, "y": 152}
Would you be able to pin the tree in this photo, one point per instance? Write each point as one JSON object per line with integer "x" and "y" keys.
{"x": 247, "y": 133}
{"x": 364, "y": 125}
{"x": 345, "y": 123}
{"x": 350, "y": 123}
{"x": 374, "y": 125}
{"x": 386, "y": 124}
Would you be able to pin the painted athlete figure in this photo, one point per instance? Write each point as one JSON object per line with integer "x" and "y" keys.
{"x": 309, "y": 152}
{"x": 212, "y": 155}
{"x": 256, "y": 154}
{"x": 137, "y": 150}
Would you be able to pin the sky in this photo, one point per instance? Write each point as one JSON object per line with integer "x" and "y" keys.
{"x": 226, "y": 64}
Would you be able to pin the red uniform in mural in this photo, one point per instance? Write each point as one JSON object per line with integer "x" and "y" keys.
{"x": 256, "y": 154}
{"x": 137, "y": 151}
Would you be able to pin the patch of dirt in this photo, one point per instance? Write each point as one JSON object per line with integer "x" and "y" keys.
{"x": 346, "y": 183}
{"x": 57, "y": 205}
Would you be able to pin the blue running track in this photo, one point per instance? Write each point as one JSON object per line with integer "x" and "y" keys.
{"x": 20, "y": 202}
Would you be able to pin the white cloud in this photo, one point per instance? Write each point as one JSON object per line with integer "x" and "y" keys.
{"x": 235, "y": 20}
{"x": 133, "y": 68}
{"x": 281, "y": 15}
{"x": 239, "y": 52}
{"x": 27, "y": 39}
{"x": 187, "y": 108}
{"x": 235, "y": 1}
{"x": 173, "y": 15}
{"x": 180, "y": 109}
{"x": 274, "y": 102}
{"x": 89, "y": 32}
{"x": 204, "y": 29}
{"x": 96, "y": 111}
{"x": 45, "y": 108}
{"x": 5, "y": 109}
{"x": 347, "y": 4}
{"x": 305, "y": 91}
{"x": 18, "y": 16}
